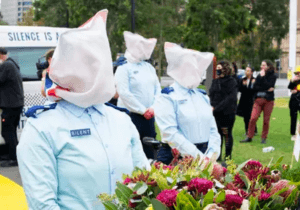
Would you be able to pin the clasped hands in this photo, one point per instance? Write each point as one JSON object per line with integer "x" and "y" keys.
{"x": 149, "y": 113}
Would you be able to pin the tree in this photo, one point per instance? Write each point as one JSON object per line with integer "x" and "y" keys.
{"x": 213, "y": 21}
{"x": 28, "y": 19}
{"x": 1, "y": 20}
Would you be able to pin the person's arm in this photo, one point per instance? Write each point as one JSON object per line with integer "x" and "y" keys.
{"x": 37, "y": 166}
{"x": 123, "y": 89}
{"x": 263, "y": 84}
{"x": 138, "y": 156}
{"x": 165, "y": 117}
{"x": 230, "y": 98}
{"x": 4, "y": 71}
{"x": 214, "y": 142}
{"x": 242, "y": 87}
{"x": 292, "y": 85}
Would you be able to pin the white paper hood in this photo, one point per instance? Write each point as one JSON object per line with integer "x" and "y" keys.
{"x": 186, "y": 66}
{"x": 138, "y": 48}
{"x": 82, "y": 64}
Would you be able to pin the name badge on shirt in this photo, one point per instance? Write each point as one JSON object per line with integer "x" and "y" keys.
{"x": 182, "y": 101}
{"x": 80, "y": 132}
{"x": 135, "y": 72}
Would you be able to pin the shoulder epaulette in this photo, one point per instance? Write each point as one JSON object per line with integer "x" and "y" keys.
{"x": 167, "y": 90}
{"x": 118, "y": 108}
{"x": 33, "y": 111}
{"x": 202, "y": 91}
{"x": 121, "y": 61}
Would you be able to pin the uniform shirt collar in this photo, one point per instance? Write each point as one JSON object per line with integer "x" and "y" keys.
{"x": 184, "y": 90}
{"x": 78, "y": 111}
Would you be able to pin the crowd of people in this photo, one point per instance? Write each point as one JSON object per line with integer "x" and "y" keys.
{"x": 79, "y": 146}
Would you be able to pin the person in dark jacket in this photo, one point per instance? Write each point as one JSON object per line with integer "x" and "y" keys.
{"x": 244, "y": 108}
{"x": 264, "y": 102}
{"x": 294, "y": 103}
{"x": 11, "y": 103}
{"x": 223, "y": 98}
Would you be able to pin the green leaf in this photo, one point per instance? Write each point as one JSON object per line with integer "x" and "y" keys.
{"x": 241, "y": 166}
{"x": 228, "y": 178}
{"x": 220, "y": 197}
{"x": 142, "y": 189}
{"x": 125, "y": 190}
{"x": 157, "y": 205}
{"x": 146, "y": 200}
{"x": 121, "y": 197}
{"x": 137, "y": 186}
{"x": 253, "y": 203}
{"x": 110, "y": 206}
{"x": 208, "y": 198}
{"x": 279, "y": 160}
{"x": 291, "y": 198}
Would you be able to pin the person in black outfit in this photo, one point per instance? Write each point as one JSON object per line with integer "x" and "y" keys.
{"x": 294, "y": 103}
{"x": 244, "y": 108}
{"x": 11, "y": 103}
{"x": 223, "y": 98}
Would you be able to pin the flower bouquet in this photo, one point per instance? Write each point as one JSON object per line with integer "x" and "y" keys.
{"x": 203, "y": 184}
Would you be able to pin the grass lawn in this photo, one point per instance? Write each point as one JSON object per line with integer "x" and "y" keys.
{"x": 279, "y": 137}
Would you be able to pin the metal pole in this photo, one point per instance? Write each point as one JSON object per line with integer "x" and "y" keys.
{"x": 132, "y": 16}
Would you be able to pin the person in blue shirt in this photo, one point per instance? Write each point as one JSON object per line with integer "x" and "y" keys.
{"x": 138, "y": 85}
{"x": 78, "y": 148}
{"x": 183, "y": 112}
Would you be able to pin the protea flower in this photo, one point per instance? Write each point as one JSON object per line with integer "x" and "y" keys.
{"x": 167, "y": 197}
{"x": 201, "y": 185}
{"x": 281, "y": 185}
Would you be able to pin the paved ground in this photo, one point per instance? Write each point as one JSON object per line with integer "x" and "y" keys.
{"x": 12, "y": 173}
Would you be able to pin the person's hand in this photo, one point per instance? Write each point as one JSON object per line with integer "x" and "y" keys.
{"x": 213, "y": 108}
{"x": 262, "y": 73}
{"x": 245, "y": 82}
{"x": 253, "y": 80}
{"x": 149, "y": 113}
{"x": 271, "y": 89}
{"x": 293, "y": 91}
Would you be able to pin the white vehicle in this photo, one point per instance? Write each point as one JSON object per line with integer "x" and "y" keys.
{"x": 26, "y": 44}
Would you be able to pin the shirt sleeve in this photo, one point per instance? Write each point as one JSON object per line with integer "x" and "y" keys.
{"x": 123, "y": 87}
{"x": 138, "y": 156}
{"x": 37, "y": 165}
{"x": 214, "y": 142}
{"x": 166, "y": 120}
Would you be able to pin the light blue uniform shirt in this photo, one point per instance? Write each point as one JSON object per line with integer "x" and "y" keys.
{"x": 185, "y": 118}
{"x": 61, "y": 172}
{"x": 137, "y": 86}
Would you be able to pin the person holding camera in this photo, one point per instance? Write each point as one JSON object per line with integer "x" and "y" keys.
{"x": 264, "y": 102}
{"x": 42, "y": 69}
{"x": 294, "y": 103}
{"x": 11, "y": 103}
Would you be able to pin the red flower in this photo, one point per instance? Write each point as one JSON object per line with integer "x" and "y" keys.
{"x": 264, "y": 196}
{"x": 127, "y": 180}
{"x": 252, "y": 164}
{"x": 233, "y": 202}
{"x": 167, "y": 197}
{"x": 281, "y": 185}
{"x": 238, "y": 181}
{"x": 252, "y": 174}
{"x": 201, "y": 185}
{"x": 224, "y": 171}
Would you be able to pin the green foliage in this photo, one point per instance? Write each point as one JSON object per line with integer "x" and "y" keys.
{"x": 185, "y": 201}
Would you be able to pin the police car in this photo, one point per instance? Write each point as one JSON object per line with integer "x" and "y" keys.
{"x": 26, "y": 45}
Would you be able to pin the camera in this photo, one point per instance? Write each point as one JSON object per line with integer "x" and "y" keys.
{"x": 42, "y": 64}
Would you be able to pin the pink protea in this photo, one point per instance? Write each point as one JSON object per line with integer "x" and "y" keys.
{"x": 254, "y": 163}
{"x": 127, "y": 180}
{"x": 167, "y": 197}
{"x": 218, "y": 172}
{"x": 232, "y": 202}
{"x": 201, "y": 185}
{"x": 280, "y": 185}
{"x": 264, "y": 196}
